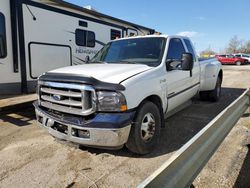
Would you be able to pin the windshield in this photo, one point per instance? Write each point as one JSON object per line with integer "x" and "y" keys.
{"x": 146, "y": 51}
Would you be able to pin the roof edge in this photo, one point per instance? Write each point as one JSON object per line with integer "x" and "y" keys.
{"x": 98, "y": 14}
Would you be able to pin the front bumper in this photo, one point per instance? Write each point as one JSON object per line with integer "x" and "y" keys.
{"x": 91, "y": 133}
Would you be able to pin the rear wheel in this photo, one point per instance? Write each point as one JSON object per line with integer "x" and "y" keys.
{"x": 145, "y": 132}
{"x": 212, "y": 95}
{"x": 238, "y": 63}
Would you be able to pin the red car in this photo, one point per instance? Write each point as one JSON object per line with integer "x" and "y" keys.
{"x": 230, "y": 59}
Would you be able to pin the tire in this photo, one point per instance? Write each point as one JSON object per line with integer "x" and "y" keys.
{"x": 238, "y": 63}
{"x": 213, "y": 95}
{"x": 145, "y": 132}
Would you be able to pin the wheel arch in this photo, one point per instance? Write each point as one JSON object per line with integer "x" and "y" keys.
{"x": 158, "y": 102}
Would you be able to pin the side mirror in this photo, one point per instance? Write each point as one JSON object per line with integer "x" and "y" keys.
{"x": 87, "y": 59}
{"x": 187, "y": 62}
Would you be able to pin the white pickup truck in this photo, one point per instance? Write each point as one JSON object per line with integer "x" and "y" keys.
{"x": 124, "y": 93}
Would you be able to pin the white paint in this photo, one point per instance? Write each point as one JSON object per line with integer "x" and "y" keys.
{"x": 142, "y": 81}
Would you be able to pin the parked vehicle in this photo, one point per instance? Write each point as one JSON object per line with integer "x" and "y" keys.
{"x": 243, "y": 56}
{"x": 37, "y": 36}
{"x": 124, "y": 93}
{"x": 231, "y": 60}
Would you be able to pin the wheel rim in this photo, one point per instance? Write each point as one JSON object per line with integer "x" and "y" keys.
{"x": 147, "y": 127}
{"x": 238, "y": 63}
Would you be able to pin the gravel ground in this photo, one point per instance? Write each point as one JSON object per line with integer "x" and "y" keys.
{"x": 29, "y": 157}
{"x": 230, "y": 165}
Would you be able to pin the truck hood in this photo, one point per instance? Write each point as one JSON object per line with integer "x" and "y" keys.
{"x": 111, "y": 73}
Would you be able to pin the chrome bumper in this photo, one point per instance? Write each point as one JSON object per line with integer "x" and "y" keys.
{"x": 99, "y": 137}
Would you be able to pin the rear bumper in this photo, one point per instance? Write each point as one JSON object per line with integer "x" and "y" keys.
{"x": 110, "y": 137}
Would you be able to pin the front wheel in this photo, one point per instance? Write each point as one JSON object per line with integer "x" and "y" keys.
{"x": 145, "y": 131}
{"x": 238, "y": 63}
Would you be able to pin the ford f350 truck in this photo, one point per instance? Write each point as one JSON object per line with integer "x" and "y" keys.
{"x": 123, "y": 94}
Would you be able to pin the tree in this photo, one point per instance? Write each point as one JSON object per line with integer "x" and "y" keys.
{"x": 247, "y": 45}
{"x": 245, "y": 48}
{"x": 234, "y": 45}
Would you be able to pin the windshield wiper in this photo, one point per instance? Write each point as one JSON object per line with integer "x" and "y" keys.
{"x": 100, "y": 62}
{"x": 123, "y": 61}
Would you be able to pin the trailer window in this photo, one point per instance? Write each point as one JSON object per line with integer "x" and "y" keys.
{"x": 85, "y": 38}
{"x": 115, "y": 34}
{"x": 3, "y": 46}
{"x": 90, "y": 39}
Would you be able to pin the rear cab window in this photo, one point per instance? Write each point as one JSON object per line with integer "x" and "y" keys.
{"x": 3, "y": 45}
{"x": 190, "y": 48}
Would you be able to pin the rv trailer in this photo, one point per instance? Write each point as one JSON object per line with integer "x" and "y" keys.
{"x": 40, "y": 35}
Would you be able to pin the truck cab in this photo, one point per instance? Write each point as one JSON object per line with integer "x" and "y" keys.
{"x": 124, "y": 93}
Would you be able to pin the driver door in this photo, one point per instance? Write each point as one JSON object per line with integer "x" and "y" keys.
{"x": 178, "y": 81}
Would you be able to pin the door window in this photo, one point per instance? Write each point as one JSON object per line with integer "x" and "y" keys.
{"x": 3, "y": 46}
{"x": 175, "y": 51}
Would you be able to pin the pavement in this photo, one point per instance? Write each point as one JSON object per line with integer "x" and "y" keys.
{"x": 30, "y": 157}
{"x": 8, "y": 102}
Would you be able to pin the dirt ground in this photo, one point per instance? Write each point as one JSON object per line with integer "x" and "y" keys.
{"x": 29, "y": 157}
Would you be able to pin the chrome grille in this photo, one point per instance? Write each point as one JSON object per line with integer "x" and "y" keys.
{"x": 67, "y": 98}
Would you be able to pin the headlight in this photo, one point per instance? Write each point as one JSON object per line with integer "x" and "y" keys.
{"x": 111, "y": 101}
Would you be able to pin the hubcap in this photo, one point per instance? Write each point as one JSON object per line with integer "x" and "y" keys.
{"x": 147, "y": 127}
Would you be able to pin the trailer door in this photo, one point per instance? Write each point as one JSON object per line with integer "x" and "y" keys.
{"x": 45, "y": 57}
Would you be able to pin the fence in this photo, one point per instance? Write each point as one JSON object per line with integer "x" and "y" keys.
{"x": 185, "y": 164}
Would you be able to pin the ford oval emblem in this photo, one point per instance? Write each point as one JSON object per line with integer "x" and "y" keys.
{"x": 57, "y": 97}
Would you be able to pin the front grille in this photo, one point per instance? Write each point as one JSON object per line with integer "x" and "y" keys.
{"x": 67, "y": 98}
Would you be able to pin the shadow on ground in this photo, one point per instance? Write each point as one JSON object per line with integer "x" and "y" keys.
{"x": 181, "y": 127}
{"x": 18, "y": 116}
{"x": 243, "y": 180}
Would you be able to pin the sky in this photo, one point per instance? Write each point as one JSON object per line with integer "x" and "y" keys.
{"x": 209, "y": 23}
